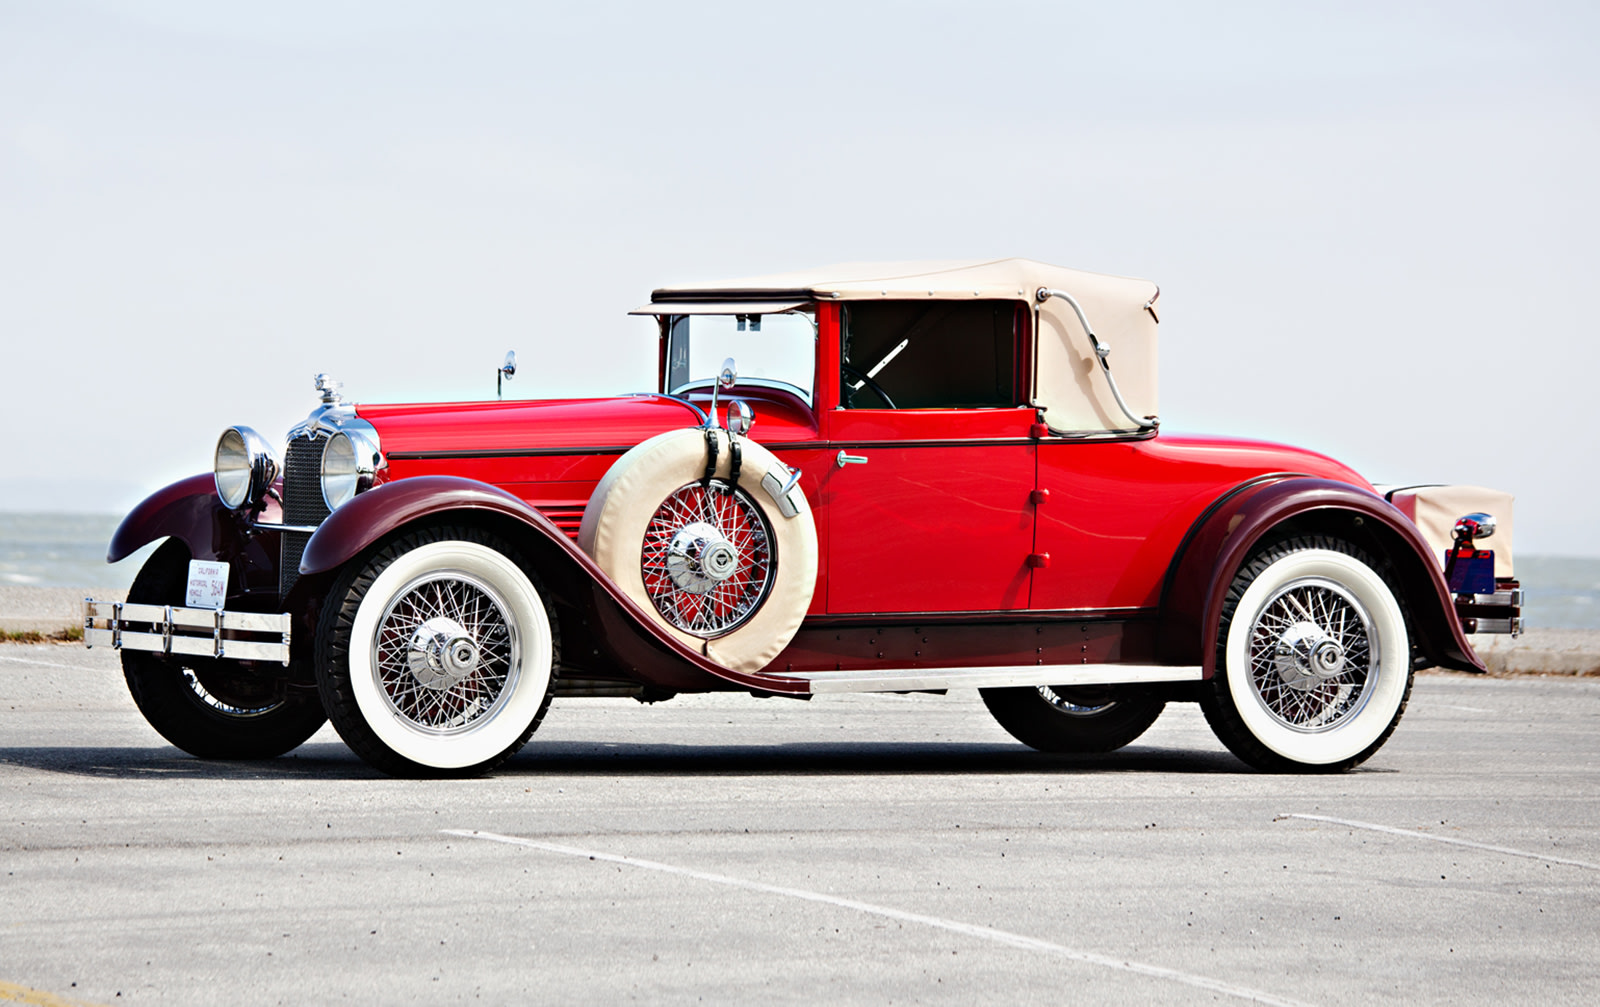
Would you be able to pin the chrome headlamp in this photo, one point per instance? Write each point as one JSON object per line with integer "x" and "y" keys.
{"x": 350, "y": 462}
{"x": 245, "y": 467}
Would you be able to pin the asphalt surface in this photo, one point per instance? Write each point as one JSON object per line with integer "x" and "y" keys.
{"x": 855, "y": 849}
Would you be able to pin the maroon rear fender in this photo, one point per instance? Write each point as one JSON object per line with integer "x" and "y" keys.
{"x": 379, "y": 512}
{"x": 1227, "y": 534}
{"x": 188, "y": 510}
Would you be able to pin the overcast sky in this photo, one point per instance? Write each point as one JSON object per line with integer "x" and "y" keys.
{"x": 1373, "y": 224}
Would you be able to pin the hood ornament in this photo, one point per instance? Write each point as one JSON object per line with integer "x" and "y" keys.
{"x": 329, "y": 389}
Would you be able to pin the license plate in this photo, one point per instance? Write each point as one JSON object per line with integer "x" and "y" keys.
{"x": 208, "y": 584}
{"x": 1473, "y": 572}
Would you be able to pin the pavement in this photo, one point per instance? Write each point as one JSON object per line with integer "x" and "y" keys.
{"x": 861, "y": 849}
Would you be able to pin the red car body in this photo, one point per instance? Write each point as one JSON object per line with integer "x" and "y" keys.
{"x": 974, "y": 538}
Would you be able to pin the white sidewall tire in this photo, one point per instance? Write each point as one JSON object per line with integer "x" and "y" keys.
{"x": 614, "y": 524}
{"x": 1387, "y": 682}
{"x": 529, "y": 621}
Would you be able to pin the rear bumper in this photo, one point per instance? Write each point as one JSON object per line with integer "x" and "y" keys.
{"x": 1500, "y": 612}
{"x": 198, "y": 632}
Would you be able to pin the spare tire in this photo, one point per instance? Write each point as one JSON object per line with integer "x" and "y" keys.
{"x": 719, "y": 565}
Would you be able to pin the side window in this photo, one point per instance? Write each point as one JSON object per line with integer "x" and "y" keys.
{"x": 930, "y": 354}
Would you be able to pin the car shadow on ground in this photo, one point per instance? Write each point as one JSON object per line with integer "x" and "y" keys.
{"x": 333, "y": 761}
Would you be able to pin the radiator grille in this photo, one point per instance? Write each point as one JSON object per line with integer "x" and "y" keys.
{"x": 302, "y": 503}
{"x": 294, "y": 546}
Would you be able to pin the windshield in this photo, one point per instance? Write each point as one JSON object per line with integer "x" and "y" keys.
{"x": 775, "y": 349}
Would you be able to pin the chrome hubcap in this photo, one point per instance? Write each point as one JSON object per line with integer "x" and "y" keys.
{"x": 1306, "y": 656}
{"x": 441, "y": 653}
{"x": 699, "y": 558}
{"x": 1311, "y": 654}
{"x": 445, "y": 653}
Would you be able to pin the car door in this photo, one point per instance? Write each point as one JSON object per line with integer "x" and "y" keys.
{"x": 927, "y": 497}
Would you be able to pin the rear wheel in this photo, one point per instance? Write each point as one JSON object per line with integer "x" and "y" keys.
{"x": 1073, "y": 719}
{"x": 209, "y": 708}
{"x": 1313, "y": 659}
{"x": 437, "y": 655}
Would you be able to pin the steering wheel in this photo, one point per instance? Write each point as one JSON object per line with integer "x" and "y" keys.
{"x": 873, "y": 386}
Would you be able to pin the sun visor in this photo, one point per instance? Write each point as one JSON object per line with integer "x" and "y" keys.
{"x": 718, "y": 307}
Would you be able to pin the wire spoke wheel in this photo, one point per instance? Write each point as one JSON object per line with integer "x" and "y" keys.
{"x": 444, "y": 655}
{"x": 209, "y": 707}
{"x": 437, "y": 656}
{"x": 1313, "y": 659}
{"x": 1077, "y": 702}
{"x": 1310, "y": 652}
{"x": 708, "y": 558}
{"x": 1073, "y": 719}
{"x": 242, "y": 708}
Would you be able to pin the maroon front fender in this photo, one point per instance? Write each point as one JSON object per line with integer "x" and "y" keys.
{"x": 188, "y": 510}
{"x": 377, "y": 512}
{"x": 371, "y": 516}
{"x": 1191, "y": 604}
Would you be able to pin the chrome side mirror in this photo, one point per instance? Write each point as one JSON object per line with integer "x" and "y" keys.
{"x": 1471, "y": 527}
{"x": 505, "y": 372}
{"x": 725, "y": 381}
{"x": 740, "y": 417}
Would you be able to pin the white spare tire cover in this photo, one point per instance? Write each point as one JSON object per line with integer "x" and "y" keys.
{"x": 759, "y": 571}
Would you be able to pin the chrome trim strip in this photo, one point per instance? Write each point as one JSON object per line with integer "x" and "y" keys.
{"x": 924, "y": 679}
{"x": 308, "y": 529}
{"x": 416, "y": 456}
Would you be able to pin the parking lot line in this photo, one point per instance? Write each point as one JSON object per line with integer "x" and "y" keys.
{"x": 42, "y": 664}
{"x": 991, "y": 934}
{"x": 1413, "y": 834}
{"x": 11, "y": 993}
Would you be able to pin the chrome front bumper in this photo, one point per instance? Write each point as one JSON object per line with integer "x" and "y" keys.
{"x": 169, "y": 629}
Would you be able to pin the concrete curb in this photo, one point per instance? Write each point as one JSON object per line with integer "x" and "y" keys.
{"x": 1542, "y": 652}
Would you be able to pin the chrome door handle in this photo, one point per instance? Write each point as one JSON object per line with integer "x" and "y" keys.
{"x": 848, "y": 459}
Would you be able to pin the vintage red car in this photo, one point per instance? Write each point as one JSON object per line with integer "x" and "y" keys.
{"x": 864, "y": 478}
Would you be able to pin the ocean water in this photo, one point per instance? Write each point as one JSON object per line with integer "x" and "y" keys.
{"x": 69, "y": 550}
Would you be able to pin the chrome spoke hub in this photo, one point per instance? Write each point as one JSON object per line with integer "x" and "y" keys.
{"x": 445, "y": 656}
{"x": 708, "y": 558}
{"x": 699, "y": 558}
{"x": 1311, "y": 653}
{"x": 441, "y": 653}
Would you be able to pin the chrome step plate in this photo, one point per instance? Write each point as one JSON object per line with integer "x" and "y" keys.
{"x": 929, "y": 679}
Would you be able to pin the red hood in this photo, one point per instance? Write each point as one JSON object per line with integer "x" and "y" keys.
{"x": 557, "y": 423}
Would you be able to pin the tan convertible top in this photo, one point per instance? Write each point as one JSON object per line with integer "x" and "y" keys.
{"x": 1068, "y": 384}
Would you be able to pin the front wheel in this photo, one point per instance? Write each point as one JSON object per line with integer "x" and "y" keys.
{"x": 1073, "y": 719}
{"x": 1313, "y": 659}
{"x": 210, "y": 708}
{"x": 437, "y": 655}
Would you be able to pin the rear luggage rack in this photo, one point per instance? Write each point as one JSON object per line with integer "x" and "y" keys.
{"x": 198, "y": 632}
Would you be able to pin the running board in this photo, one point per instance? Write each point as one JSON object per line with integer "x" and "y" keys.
{"x": 933, "y": 679}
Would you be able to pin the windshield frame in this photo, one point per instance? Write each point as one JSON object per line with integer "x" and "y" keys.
{"x": 669, "y": 326}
